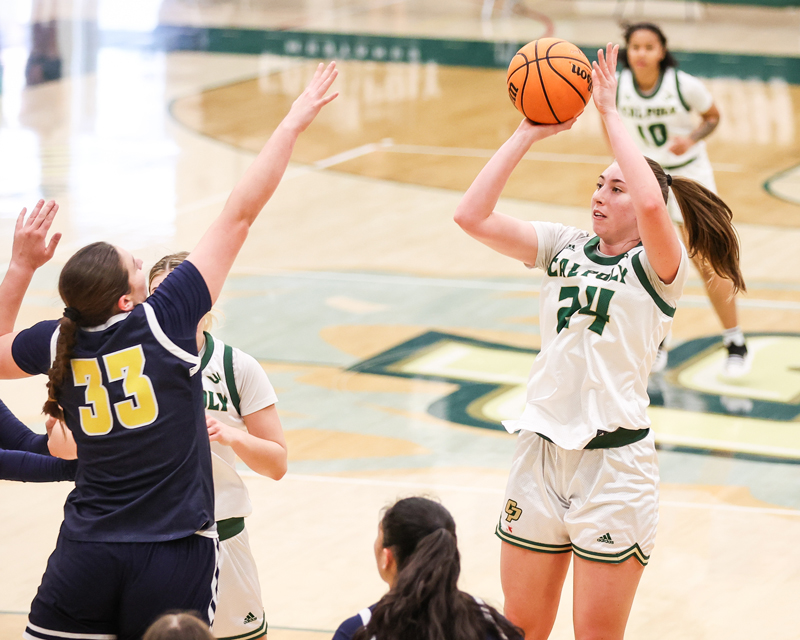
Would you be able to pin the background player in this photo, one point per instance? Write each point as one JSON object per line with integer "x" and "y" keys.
{"x": 659, "y": 105}
{"x": 124, "y": 377}
{"x": 242, "y": 421}
{"x": 584, "y": 480}
{"x": 418, "y": 558}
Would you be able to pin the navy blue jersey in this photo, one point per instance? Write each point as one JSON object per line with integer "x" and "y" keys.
{"x": 348, "y": 628}
{"x": 134, "y": 405}
{"x": 24, "y": 455}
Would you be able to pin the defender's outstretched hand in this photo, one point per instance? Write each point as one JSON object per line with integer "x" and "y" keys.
{"x": 309, "y": 103}
{"x": 31, "y": 249}
{"x": 604, "y": 79}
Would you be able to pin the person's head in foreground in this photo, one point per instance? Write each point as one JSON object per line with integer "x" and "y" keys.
{"x": 418, "y": 558}
{"x": 178, "y": 625}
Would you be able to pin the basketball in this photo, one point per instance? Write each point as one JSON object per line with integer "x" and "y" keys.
{"x": 549, "y": 80}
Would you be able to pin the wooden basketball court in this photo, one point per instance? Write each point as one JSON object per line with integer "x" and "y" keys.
{"x": 395, "y": 342}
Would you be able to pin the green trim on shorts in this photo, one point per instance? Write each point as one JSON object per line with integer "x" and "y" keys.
{"x": 262, "y": 630}
{"x": 613, "y": 558}
{"x": 681, "y": 165}
{"x": 229, "y": 528}
{"x": 531, "y": 546}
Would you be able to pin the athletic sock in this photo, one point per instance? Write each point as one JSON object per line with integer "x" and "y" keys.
{"x": 733, "y": 337}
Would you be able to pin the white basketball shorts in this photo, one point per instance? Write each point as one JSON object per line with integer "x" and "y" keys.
{"x": 240, "y": 613}
{"x": 601, "y": 504}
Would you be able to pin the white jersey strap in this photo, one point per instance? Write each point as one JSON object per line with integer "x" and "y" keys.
{"x": 54, "y": 343}
{"x": 366, "y": 616}
{"x": 169, "y": 345}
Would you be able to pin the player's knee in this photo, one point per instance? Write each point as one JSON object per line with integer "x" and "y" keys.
{"x": 535, "y": 625}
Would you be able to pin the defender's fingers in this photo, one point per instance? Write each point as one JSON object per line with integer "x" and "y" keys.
{"x": 51, "y": 247}
{"x": 49, "y": 215}
{"x": 34, "y": 213}
{"x": 328, "y": 99}
{"x": 20, "y": 219}
{"x": 41, "y": 214}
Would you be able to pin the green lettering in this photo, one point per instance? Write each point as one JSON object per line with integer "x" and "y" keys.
{"x": 574, "y": 270}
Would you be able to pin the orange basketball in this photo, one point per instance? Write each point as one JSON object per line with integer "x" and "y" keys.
{"x": 549, "y": 80}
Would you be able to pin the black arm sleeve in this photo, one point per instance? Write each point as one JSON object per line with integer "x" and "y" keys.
{"x": 15, "y": 436}
{"x": 22, "y": 466}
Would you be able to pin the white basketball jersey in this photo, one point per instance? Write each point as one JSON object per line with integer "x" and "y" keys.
{"x": 234, "y": 384}
{"x": 601, "y": 320}
{"x": 655, "y": 119}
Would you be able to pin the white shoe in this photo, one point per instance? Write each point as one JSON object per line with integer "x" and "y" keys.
{"x": 738, "y": 362}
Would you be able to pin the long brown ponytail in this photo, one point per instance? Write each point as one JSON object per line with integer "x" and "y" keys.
{"x": 424, "y": 603}
{"x": 708, "y": 222}
{"x": 91, "y": 284}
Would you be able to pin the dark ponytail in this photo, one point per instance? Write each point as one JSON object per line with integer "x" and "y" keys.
{"x": 424, "y": 602}
{"x": 91, "y": 284}
{"x": 708, "y": 222}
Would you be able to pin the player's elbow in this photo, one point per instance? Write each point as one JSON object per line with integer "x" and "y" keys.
{"x": 279, "y": 471}
{"x": 651, "y": 207}
{"x": 466, "y": 219}
{"x": 278, "y": 466}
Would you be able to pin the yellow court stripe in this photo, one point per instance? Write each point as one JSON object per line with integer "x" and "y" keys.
{"x": 725, "y": 433}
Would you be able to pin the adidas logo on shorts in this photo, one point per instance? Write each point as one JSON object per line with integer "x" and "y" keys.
{"x": 606, "y": 537}
{"x": 250, "y": 618}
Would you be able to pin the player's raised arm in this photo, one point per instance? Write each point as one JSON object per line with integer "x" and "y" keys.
{"x": 475, "y": 213}
{"x": 216, "y": 251}
{"x": 29, "y": 252}
{"x": 655, "y": 227}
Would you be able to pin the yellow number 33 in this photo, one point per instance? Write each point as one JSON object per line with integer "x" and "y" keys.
{"x": 139, "y": 409}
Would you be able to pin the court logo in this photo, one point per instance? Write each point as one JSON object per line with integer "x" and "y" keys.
{"x": 692, "y": 406}
{"x": 513, "y": 512}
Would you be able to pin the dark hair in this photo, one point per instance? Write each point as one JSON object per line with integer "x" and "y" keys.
{"x": 709, "y": 224}
{"x": 178, "y": 625}
{"x": 91, "y": 284}
{"x": 166, "y": 265}
{"x": 425, "y": 603}
{"x": 628, "y": 31}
